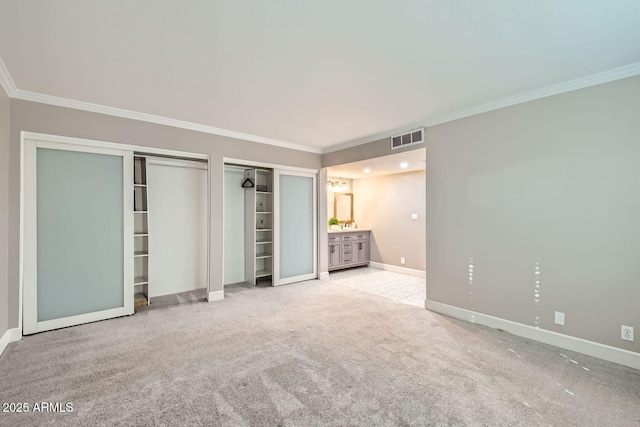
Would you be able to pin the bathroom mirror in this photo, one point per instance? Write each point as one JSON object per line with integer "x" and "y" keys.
{"x": 343, "y": 207}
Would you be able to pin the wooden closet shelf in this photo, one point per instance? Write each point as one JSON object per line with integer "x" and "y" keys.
{"x": 263, "y": 273}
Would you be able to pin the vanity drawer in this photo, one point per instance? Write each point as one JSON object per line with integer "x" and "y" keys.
{"x": 333, "y": 238}
{"x": 355, "y": 237}
{"x": 346, "y": 247}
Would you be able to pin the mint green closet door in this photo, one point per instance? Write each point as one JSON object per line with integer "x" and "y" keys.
{"x": 296, "y": 227}
{"x": 78, "y": 243}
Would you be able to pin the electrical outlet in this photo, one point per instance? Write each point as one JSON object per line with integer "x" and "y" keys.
{"x": 402, "y": 260}
{"x": 559, "y": 318}
{"x": 626, "y": 333}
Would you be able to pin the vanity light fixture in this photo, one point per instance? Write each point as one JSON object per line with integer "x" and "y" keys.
{"x": 404, "y": 165}
{"x": 367, "y": 170}
{"x": 337, "y": 186}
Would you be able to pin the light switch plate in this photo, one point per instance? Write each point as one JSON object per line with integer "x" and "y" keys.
{"x": 559, "y": 318}
{"x": 414, "y": 217}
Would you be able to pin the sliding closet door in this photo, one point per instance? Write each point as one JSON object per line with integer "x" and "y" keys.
{"x": 295, "y": 226}
{"x": 178, "y": 232}
{"x": 77, "y": 235}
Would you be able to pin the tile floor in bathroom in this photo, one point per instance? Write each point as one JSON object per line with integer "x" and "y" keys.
{"x": 395, "y": 286}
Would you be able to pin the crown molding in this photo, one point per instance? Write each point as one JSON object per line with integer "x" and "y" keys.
{"x": 571, "y": 85}
{"x": 6, "y": 81}
{"x": 595, "y": 79}
{"x": 9, "y": 86}
{"x": 150, "y": 118}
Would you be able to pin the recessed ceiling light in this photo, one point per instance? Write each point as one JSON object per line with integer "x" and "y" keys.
{"x": 367, "y": 170}
{"x": 404, "y": 165}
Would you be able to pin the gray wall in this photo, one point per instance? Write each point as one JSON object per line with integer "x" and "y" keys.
{"x": 554, "y": 181}
{"x": 4, "y": 211}
{"x": 385, "y": 204}
{"x": 379, "y": 148}
{"x": 35, "y": 117}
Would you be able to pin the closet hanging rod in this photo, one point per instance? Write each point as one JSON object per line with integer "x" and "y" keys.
{"x": 166, "y": 156}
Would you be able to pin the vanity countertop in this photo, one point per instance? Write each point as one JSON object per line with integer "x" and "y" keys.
{"x": 349, "y": 230}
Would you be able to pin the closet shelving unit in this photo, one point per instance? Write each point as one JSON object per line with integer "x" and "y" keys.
{"x": 259, "y": 226}
{"x": 140, "y": 233}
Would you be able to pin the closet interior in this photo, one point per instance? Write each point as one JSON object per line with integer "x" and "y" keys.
{"x": 259, "y": 233}
{"x": 140, "y": 233}
{"x": 249, "y": 225}
{"x": 170, "y": 226}
{"x": 269, "y": 225}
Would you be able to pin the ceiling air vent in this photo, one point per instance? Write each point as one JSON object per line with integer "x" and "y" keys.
{"x": 409, "y": 138}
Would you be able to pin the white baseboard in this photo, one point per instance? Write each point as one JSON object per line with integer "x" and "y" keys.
{"x": 216, "y": 296}
{"x": 590, "y": 348}
{"x": 324, "y": 275}
{"x": 396, "y": 269}
{"x": 4, "y": 341}
{"x": 11, "y": 335}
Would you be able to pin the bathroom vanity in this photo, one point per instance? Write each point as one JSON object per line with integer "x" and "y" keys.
{"x": 348, "y": 248}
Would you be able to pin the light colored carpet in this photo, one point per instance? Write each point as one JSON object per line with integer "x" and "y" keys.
{"x": 308, "y": 354}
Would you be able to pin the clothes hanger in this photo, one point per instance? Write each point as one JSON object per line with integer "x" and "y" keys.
{"x": 248, "y": 183}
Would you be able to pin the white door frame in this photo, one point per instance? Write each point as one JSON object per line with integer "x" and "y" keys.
{"x": 276, "y": 280}
{"x": 70, "y": 141}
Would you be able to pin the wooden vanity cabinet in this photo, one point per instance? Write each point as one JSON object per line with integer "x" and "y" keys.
{"x": 348, "y": 249}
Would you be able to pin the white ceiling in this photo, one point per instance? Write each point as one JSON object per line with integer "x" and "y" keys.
{"x": 315, "y": 73}
{"x": 414, "y": 160}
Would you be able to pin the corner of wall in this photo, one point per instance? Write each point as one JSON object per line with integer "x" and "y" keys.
{"x": 11, "y": 335}
{"x": 4, "y": 212}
